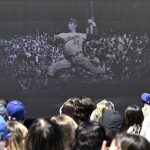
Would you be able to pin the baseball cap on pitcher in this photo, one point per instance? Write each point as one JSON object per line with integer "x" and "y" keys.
{"x": 146, "y": 98}
{"x": 73, "y": 20}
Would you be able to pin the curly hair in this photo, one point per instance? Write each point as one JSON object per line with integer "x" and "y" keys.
{"x": 100, "y": 107}
{"x": 79, "y": 108}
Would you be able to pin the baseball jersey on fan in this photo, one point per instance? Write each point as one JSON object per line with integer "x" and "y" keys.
{"x": 73, "y": 42}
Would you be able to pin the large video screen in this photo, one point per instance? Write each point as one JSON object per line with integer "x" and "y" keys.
{"x": 74, "y": 47}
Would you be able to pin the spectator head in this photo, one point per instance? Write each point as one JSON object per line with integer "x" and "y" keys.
{"x": 133, "y": 116}
{"x": 18, "y": 132}
{"x": 44, "y": 135}
{"x": 67, "y": 126}
{"x": 79, "y": 108}
{"x": 100, "y": 107}
{"x": 89, "y": 136}
{"x": 112, "y": 121}
{"x": 3, "y": 102}
{"x": 4, "y": 134}
{"x": 69, "y": 107}
{"x": 86, "y": 107}
{"x": 16, "y": 110}
{"x": 146, "y": 98}
{"x": 126, "y": 141}
{"x": 3, "y": 112}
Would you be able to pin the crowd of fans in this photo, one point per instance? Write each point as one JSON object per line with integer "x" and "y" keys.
{"x": 121, "y": 54}
{"x": 27, "y": 58}
{"x": 80, "y": 125}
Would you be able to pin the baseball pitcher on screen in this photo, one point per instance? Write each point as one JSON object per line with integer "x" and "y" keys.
{"x": 73, "y": 42}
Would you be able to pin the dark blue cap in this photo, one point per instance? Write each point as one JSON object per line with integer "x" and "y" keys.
{"x": 16, "y": 110}
{"x": 146, "y": 98}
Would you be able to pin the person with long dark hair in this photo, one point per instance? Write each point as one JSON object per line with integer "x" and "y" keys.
{"x": 133, "y": 119}
{"x": 90, "y": 136}
{"x": 44, "y": 135}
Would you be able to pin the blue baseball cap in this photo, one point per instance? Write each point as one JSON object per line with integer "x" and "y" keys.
{"x": 16, "y": 110}
{"x": 4, "y": 135}
{"x": 146, "y": 98}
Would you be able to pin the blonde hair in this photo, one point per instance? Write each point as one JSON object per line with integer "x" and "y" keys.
{"x": 19, "y": 132}
{"x": 100, "y": 107}
{"x": 67, "y": 126}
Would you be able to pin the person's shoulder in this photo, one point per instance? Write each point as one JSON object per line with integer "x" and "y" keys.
{"x": 61, "y": 35}
{"x": 68, "y": 35}
{"x": 82, "y": 35}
